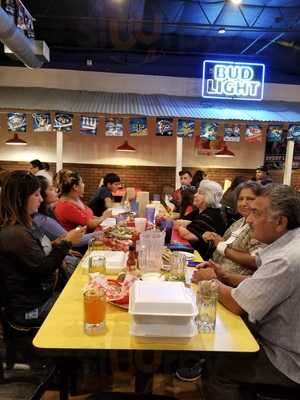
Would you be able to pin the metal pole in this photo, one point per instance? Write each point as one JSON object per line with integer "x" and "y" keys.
{"x": 179, "y": 141}
{"x": 59, "y": 150}
{"x": 287, "y": 176}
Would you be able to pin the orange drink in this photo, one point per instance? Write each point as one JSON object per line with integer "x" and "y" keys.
{"x": 94, "y": 305}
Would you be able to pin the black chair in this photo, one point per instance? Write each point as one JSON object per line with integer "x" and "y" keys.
{"x": 16, "y": 346}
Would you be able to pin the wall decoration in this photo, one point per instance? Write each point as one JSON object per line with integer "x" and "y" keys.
{"x": 41, "y": 122}
{"x": 185, "y": 128}
{"x": 138, "y": 126}
{"x": 207, "y": 147}
{"x": 232, "y": 133}
{"x": 294, "y": 132}
{"x": 253, "y": 134}
{"x": 164, "y": 126}
{"x": 114, "y": 127}
{"x": 274, "y": 133}
{"x": 209, "y": 130}
{"x": 88, "y": 125}
{"x": 63, "y": 122}
{"x": 16, "y": 122}
{"x": 233, "y": 80}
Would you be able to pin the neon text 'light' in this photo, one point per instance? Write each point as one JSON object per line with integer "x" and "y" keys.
{"x": 226, "y": 80}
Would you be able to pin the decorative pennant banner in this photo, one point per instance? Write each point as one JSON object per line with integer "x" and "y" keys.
{"x": 274, "y": 133}
{"x": 164, "y": 126}
{"x": 16, "y": 122}
{"x": 41, "y": 122}
{"x": 294, "y": 132}
{"x": 114, "y": 127}
{"x": 63, "y": 122}
{"x": 253, "y": 134}
{"x": 232, "y": 133}
{"x": 209, "y": 131}
{"x": 138, "y": 126}
{"x": 88, "y": 125}
{"x": 185, "y": 128}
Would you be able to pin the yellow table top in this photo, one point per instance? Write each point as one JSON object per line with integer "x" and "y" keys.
{"x": 63, "y": 329}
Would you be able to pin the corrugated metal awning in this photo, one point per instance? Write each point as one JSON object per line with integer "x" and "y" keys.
{"x": 148, "y": 105}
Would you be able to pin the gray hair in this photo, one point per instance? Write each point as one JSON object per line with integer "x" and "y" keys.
{"x": 284, "y": 201}
{"x": 212, "y": 193}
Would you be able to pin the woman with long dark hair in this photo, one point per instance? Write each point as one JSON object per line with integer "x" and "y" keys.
{"x": 70, "y": 210}
{"x": 28, "y": 261}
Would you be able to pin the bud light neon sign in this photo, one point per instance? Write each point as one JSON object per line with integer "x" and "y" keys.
{"x": 233, "y": 80}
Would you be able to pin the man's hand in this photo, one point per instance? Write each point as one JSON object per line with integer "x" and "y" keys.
{"x": 107, "y": 213}
{"x": 203, "y": 274}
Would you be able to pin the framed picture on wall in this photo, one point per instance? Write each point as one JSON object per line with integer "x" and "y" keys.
{"x": 164, "y": 126}
{"x": 209, "y": 130}
{"x": 16, "y": 122}
{"x": 41, "y": 122}
{"x": 138, "y": 126}
{"x": 63, "y": 122}
{"x": 185, "y": 128}
{"x": 114, "y": 126}
{"x": 232, "y": 133}
{"x": 253, "y": 134}
{"x": 88, "y": 125}
{"x": 274, "y": 133}
{"x": 294, "y": 132}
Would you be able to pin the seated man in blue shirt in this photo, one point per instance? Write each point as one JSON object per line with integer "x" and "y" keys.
{"x": 270, "y": 298}
{"x": 103, "y": 197}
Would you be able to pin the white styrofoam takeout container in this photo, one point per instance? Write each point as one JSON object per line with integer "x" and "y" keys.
{"x": 160, "y": 298}
{"x": 163, "y": 326}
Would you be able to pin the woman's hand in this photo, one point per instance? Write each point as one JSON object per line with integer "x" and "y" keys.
{"x": 213, "y": 237}
{"x": 75, "y": 235}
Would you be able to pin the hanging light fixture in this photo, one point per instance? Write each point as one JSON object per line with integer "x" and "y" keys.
{"x": 125, "y": 147}
{"x": 225, "y": 152}
{"x": 16, "y": 141}
{"x": 237, "y": 2}
{"x": 222, "y": 30}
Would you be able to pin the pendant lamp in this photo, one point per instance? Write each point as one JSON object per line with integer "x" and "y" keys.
{"x": 125, "y": 147}
{"x": 225, "y": 152}
{"x": 16, "y": 141}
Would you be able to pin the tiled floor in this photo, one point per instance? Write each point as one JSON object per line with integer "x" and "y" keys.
{"x": 163, "y": 384}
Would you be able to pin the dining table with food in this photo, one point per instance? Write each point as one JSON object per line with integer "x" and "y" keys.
{"x": 131, "y": 292}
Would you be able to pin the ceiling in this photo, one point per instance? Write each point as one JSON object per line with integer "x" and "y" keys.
{"x": 168, "y": 37}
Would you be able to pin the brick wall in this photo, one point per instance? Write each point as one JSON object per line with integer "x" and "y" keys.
{"x": 152, "y": 179}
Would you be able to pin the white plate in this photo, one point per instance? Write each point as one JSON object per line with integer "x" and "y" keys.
{"x": 189, "y": 256}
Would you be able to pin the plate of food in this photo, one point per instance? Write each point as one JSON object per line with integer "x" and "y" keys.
{"x": 189, "y": 256}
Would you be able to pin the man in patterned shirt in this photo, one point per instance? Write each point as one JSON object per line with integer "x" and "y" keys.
{"x": 270, "y": 298}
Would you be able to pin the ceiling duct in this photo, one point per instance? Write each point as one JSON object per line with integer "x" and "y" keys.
{"x": 32, "y": 53}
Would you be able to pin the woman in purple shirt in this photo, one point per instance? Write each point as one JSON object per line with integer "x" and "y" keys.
{"x": 46, "y": 221}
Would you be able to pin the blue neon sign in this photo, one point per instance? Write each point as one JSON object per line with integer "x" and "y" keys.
{"x": 233, "y": 80}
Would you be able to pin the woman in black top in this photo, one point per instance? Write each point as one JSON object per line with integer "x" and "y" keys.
{"x": 28, "y": 261}
{"x": 208, "y": 214}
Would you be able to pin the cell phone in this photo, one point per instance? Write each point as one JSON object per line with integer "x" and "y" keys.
{"x": 164, "y": 204}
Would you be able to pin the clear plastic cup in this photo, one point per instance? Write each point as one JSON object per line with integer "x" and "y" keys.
{"x": 140, "y": 224}
{"x": 97, "y": 264}
{"x": 207, "y": 298}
